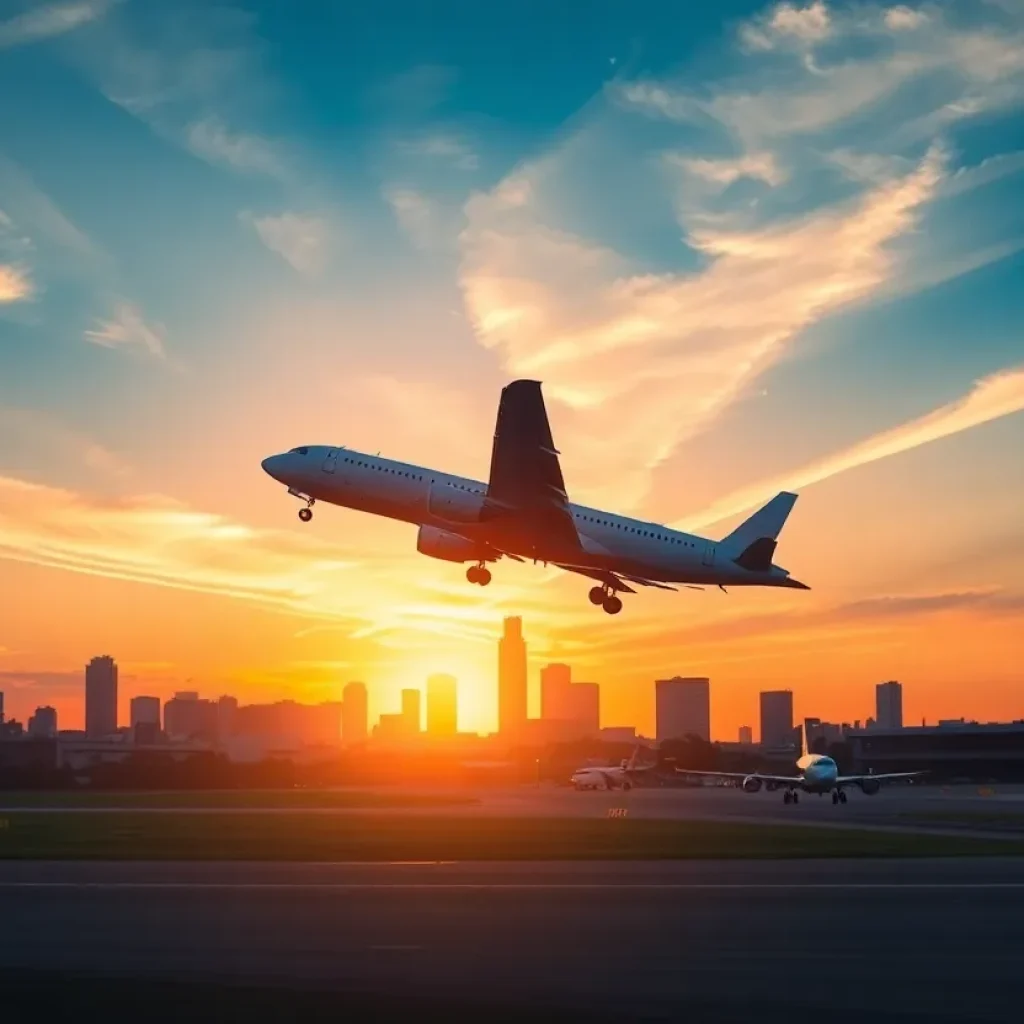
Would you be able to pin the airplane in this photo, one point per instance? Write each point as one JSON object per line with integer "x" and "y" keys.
{"x": 818, "y": 773}
{"x": 523, "y": 513}
{"x": 619, "y": 776}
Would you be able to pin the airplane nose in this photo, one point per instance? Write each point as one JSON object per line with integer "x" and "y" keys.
{"x": 272, "y": 466}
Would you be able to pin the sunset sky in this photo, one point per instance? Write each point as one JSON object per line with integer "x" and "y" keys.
{"x": 745, "y": 248}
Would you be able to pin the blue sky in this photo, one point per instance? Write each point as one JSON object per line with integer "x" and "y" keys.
{"x": 746, "y": 246}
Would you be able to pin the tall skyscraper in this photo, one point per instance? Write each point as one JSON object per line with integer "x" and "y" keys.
{"x": 682, "y": 707}
{"x": 555, "y": 681}
{"x": 777, "y": 718}
{"x": 101, "y": 697}
{"x": 746, "y": 735}
{"x": 584, "y": 708}
{"x": 1, "y": 708}
{"x": 411, "y": 711}
{"x": 889, "y": 705}
{"x": 512, "y": 680}
{"x": 354, "y": 718}
{"x": 442, "y": 706}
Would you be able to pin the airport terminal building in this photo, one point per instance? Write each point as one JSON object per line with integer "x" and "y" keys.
{"x": 949, "y": 751}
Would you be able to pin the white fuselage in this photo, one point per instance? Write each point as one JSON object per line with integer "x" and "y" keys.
{"x": 599, "y": 778}
{"x": 413, "y": 494}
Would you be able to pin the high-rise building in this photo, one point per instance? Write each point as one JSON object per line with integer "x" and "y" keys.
{"x": 227, "y": 714}
{"x": 682, "y": 707}
{"x": 584, "y": 709}
{"x": 186, "y": 717}
{"x": 889, "y": 705}
{"x": 1, "y": 708}
{"x": 555, "y": 681}
{"x": 512, "y": 680}
{"x": 411, "y": 711}
{"x": 101, "y": 697}
{"x": 43, "y": 724}
{"x": 145, "y": 711}
{"x": 746, "y": 735}
{"x": 354, "y": 717}
{"x": 777, "y": 718}
{"x": 442, "y": 706}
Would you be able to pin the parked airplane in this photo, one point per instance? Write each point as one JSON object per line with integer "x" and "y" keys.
{"x": 523, "y": 512}
{"x": 618, "y": 776}
{"x": 817, "y": 774}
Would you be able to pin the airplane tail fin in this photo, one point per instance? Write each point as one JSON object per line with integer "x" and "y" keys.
{"x": 752, "y": 543}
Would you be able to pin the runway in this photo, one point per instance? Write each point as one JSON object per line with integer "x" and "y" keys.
{"x": 846, "y": 940}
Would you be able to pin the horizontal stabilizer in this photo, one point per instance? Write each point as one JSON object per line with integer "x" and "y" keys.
{"x": 752, "y": 543}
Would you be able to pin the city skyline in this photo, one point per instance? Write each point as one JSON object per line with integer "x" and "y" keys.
{"x": 747, "y": 247}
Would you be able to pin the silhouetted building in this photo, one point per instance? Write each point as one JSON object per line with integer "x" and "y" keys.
{"x": 411, "y": 711}
{"x": 889, "y": 705}
{"x": 227, "y": 716}
{"x": 821, "y": 735}
{"x": 512, "y": 680}
{"x": 144, "y": 711}
{"x": 354, "y": 716}
{"x": 43, "y": 724}
{"x": 186, "y": 717}
{"x": 584, "y": 709}
{"x": 682, "y": 707}
{"x": 618, "y": 734}
{"x": 777, "y": 718}
{"x": 286, "y": 723}
{"x": 442, "y": 706}
{"x": 1, "y": 708}
{"x": 555, "y": 681}
{"x": 101, "y": 697}
{"x": 746, "y": 735}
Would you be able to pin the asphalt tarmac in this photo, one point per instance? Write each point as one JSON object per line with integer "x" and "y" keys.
{"x": 883, "y": 941}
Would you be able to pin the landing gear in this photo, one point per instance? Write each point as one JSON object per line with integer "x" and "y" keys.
{"x": 838, "y": 796}
{"x": 305, "y": 514}
{"x": 478, "y": 574}
{"x": 791, "y": 797}
{"x": 606, "y": 598}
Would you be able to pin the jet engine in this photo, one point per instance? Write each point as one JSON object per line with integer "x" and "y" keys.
{"x": 450, "y": 547}
{"x": 751, "y": 784}
{"x": 870, "y": 786}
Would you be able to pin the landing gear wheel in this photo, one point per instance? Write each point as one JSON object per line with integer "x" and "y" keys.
{"x": 835, "y": 796}
{"x": 796, "y": 798}
{"x": 597, "y": 595}
{"x": 473, "y": 574}
{"x": 842, "y": 796}
{"x": 305, "y": 514}
{"x": 613, "y": 604}
{"x": 483, "y": 576}
{"x": 787, "y": 797}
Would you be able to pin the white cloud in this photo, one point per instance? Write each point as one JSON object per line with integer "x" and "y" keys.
{"x": 417, "y": 215}
{"x": 49, "y": 20}
{"x": 810, "y": 23}
{"x": 15, "y": 284}
{"x": 302, "y": 240}
{"x": 127, "y": 328}
{"x": 210, "y": 139}
{"x": 1001, "y": 394}
{"x": 760, "y": 166}
{"x": 902, "y": 18}
{"x": 448, "y": 149}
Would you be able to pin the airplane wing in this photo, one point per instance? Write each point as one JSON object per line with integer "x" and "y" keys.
{"x": 891, "y": 776}
{"x": 782, "y": 780}
{"x": 526, "y": 498}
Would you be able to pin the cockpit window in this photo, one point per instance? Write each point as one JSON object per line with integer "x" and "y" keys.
{"x": 301, "y": 451}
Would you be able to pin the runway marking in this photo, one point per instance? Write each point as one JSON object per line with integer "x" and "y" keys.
{"x": 518, "y": 886}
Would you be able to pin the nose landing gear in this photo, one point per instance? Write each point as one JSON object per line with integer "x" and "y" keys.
{"x": 838, "y": 796}
{"x": 479, "y": 574}
{"x": 791, "y": 797}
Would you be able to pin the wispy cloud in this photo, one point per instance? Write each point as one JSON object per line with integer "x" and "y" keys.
{"x": 790, "y": 213}
{"x": 128, "y": 328}
{"x": 302, "y": 240}
{"x": 15, "y": 283}
{"x": 48, "y": 20}
{"x": 48, "y": 442}
{"x": 1001, "y": 394}
{"x": 210, "y": 139}
{"x": 444, "y": 148}
{"x": 418, "y": 216}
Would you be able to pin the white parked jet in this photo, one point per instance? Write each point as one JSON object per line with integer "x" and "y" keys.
{"x": 523, "y": 512}
{"x": 615, "y": 776}
{"x": 817, "y": 774}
